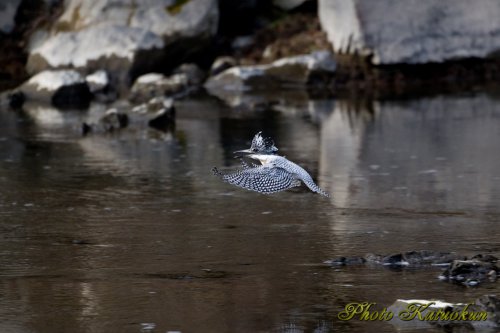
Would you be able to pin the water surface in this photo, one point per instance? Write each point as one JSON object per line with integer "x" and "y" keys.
{"x": 129, "y": 231}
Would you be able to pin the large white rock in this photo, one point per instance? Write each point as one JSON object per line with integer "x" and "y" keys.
{"x": 166, "y": 18}
{"x": 82, "y": 49}
{"x": 412, "y": 31}
{"x": 124, "y": 37}
{"x": 291, "y": 71}
{"x": 259, "y": 86}
{"x": 59, "y": 87}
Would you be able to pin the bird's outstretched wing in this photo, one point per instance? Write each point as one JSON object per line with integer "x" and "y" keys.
{"x": 260, "y": 179}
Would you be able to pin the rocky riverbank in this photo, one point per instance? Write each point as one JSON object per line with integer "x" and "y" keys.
{"x": 71, "y": 52}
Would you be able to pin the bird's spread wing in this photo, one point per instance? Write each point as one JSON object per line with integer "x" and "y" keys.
{"x": 260, "y": 179}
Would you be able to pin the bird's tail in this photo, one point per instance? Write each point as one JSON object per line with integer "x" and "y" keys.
{"x": 315, "y": 188}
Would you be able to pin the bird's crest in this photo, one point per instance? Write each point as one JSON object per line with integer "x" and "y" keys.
{"x": 261, "y": 144}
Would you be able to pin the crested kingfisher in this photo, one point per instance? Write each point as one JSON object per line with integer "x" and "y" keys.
{"x": 274, "y": 174}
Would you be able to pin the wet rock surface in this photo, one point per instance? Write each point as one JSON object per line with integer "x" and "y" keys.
{"x": 469, "y": 272}
{"x": 410, "y": 258}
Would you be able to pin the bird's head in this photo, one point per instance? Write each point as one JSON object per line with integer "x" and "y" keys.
{"x": 260, "y": 145}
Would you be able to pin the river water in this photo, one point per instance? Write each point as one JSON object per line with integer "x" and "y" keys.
{"x": 130, "y": 232}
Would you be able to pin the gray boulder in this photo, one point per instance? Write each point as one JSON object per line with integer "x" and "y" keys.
{"x": 412, "y": 31}
{"x": 122, "y": 37}
{"x": 97, "y": 47}
{"x": 61, "y": 88}
{"x": 155, "y": 85}
{"x": 165, "y": 18}
{"x": 97, "y": 81}
{"x": 297, "y": 71}
{"x": 183, "y": 79}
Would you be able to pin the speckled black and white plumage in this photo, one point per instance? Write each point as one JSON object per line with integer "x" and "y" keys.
{"x": 260, "y": 179}
{"x": 276, "y": 173}
{"x": 297, "y": 171}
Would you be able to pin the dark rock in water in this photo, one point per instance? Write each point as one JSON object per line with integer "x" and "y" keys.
{"x": 164, "y": 119}
{"x": 16, "y": 99}
{"x": 86, "y": 128}
{"x": 61, "y": 88}
{"x": 414, "y": 258}
{"x": 221, "y": 64}
{"x": 76, "y": 95}
{"x": 113, "y": 120}
{"x": 346, "y": 261}
{"x": 470, "y": 272}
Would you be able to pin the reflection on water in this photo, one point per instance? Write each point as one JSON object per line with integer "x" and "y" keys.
{"x": 129, "y": 231}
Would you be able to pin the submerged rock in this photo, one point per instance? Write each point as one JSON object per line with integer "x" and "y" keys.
{"x": 61, "y": 88}
{"x": 346, "y": 261}
{"x": 471, "y": 272}
{"x": 414, "y": 258}
{"x": 164, "y": 120}
{"x": 410, "y": 258}
{"x": 412, "y": 32}
{"x": 111, "y": 120}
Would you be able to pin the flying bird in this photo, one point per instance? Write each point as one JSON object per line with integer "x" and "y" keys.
{"x": 274, "y": 174}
